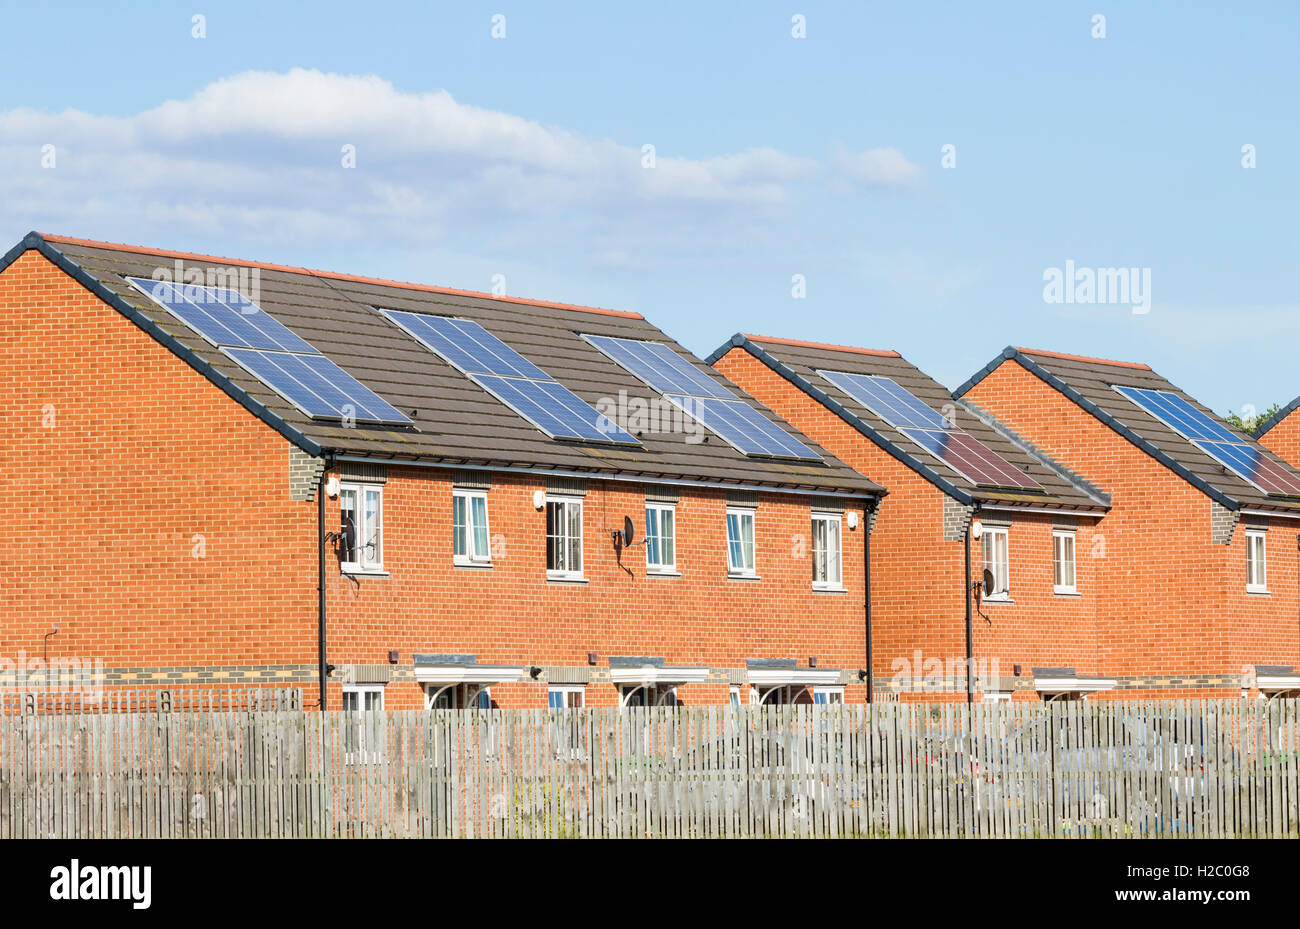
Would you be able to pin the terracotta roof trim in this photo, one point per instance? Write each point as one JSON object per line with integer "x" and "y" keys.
{"x": 1065, "y": 356}
{"x": 333, "y": 275}
{"x": 825, "y": 346}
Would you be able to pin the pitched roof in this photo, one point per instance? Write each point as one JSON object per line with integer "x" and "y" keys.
{"x": 455, "y": 421}
{"x": 1090, "y": 383}
{"x": 799, "y": 362}
{"x": 1276, "y": 418}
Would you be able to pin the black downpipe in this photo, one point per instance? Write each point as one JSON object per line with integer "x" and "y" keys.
{"x": 322, "y": 666}
{"x": 866, "y": 585}
{"x": 970, "y": 622}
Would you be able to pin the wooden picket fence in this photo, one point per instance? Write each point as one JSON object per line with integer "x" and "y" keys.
{"x": 1105, "y": 769}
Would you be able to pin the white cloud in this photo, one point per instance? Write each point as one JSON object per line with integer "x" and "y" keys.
{"x": 258, "y": 155}
{"x": 876, "y": 167}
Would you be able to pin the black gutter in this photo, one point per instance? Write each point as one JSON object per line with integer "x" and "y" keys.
{"x": 739, "y": 341}
{"x": 866, "y": 585}
{"x": 1047, "y": 377}
{"x": 322, "y": 664}
{"x": 970, "y": 622}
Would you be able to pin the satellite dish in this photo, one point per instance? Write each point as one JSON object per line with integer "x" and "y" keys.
{"x": 629, "y": 530}
{"x": 989, "y": 581}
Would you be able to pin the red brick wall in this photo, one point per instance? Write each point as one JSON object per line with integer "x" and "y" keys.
{"x": 511, "y": 613}
{"x": 145, "y": 462}
{"x": 1172, "y": 602}
{"x": 1284, "y": 438}
{"x": 918, "y": 599}
{"x": 120, "y": 465}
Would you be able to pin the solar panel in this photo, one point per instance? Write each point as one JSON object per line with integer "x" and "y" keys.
{"x": 706, "y": 400}
{"x": 223, "y": 317}
{"x": 271, "y": 352}
{"x": 511, "y": 378}
{"x": 660, "y": 367}
{"x": 1215, "y": 440}
{"x": 742, "y": 426}
{"x": 884, "y": 397}
{"x": 467, "y": 345}
{"x": 316, "y": 385}
{"x": 956, "y": 448}
{"x": 970, "y": 457}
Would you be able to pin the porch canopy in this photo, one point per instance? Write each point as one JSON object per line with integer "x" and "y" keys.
{"x": 439, "y": 672}
{"x": 1057, "y": 682}
{"x": 644, "y": 673}
{"x": 770, "y": 674}
{"x": 1274, "y": 679}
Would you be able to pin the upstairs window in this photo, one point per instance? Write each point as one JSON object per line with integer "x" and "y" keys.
{"x": 826, "y": 561}
{"x": 469, "y": 528}
{"x": 740, "y": 542}
{"x": 564, "y": 538}
{"x": 1256, "y": 561}
{"x": 1063, "y": 581}
{"x": 361, "y": 529}
{"x": 661, "y": 537}
{"x": 996, "y": 561}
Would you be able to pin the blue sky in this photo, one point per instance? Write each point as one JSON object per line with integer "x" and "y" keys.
{"x": 774, "y": 156}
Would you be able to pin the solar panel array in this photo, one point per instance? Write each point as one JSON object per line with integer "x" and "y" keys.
{"x": 710, "y": 403}
{"x": 956, "y": 448}
{"x": 1215, "y": 440}
{"x": 511, "y": 378}
{"x": 271, "y": 352}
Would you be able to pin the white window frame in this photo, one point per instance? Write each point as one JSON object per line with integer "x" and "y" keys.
{"x": 355, "y": 750}
{"x": 1256, "y": 567}
{"x": 565, "y": 690}
{"x": 569, "y": 573}
{"x": 830, "y": 696}
{"x": 653, "y": 695}
{"x": 359, "y": 490}
{"x": 1059, "y": 539}
{"x": 663, "y": 567}
{"x": 990, "y": 533}
{"x": 743, "y": 512}
{"x": 472, "y": 557}
{"x": 829, "y": 583}
{"x": 456, "y": 694}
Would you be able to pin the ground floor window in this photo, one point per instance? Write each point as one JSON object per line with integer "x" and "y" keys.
{"x": 828, "y": 696}
{"x": 362, "y": 727}
{"x": 647, "y": 695}
{"x": 566, "y": 696}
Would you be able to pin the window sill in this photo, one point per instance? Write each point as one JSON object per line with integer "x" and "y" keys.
{"x": 475, "y": 565}
{"x": 364, "y": 572}
{"x": 565, "y": 579}
{"x": 733, "y": 576}
{"x": 655, "y": 572}
{"x": 996, "y": 601}
{"x": 1067, "y": 593}
{"x": 828, "y": 589}
{"x": 1259, "y": 592}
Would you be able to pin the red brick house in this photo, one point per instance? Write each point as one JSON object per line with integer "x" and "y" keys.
{"x": 1280, "y": 433}
{"x": 1197, "y": 576}
{"x": 982, "y": 534}
{"x": 232, "y": 473}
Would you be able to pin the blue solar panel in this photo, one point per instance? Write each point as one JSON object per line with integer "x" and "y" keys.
{"x": 884, "y": 397}
{"x": 660, "y": 367}
{"x": 554, "y": 409}
{"x": 226, "y": 318}
{"x": 1247, "y": 460}
{"x": 511, "y": 378}
{"x": 748, "y": 430}
{"x": 316, "y": 385}
{"x": 1174, "y": 411}
{"x": 467, "y": 345}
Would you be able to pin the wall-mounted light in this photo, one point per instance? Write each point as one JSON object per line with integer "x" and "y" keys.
{"x": 976, "y": 529}
{"x": 332, "y": 486}
{"x": 812, "y": 661}
{"x": 539, "y": 499}
{"x": 592, "y": 658}
{"x": 852, "y": 520}
{"x": 393, "y": 656}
